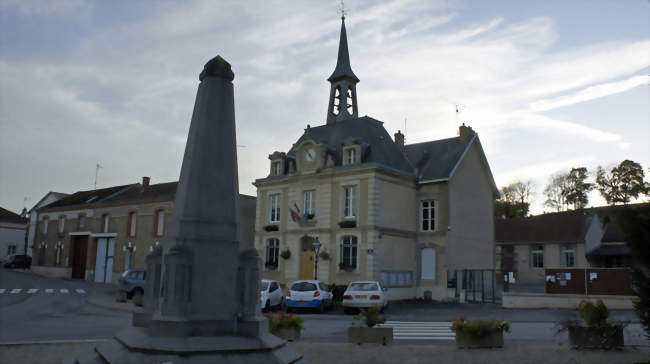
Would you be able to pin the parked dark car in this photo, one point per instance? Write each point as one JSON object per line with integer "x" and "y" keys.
{"x": 19, "y": 261}
{"x": 133, "y": 281}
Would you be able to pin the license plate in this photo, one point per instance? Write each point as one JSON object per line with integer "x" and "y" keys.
{"x": 302, "y": 303}
{"x": 361, "y": 296}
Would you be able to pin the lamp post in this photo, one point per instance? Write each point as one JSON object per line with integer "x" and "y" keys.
{"x": 316, "y": 244}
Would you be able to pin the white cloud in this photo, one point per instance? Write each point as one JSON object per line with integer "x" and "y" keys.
{"x": 590, "y": 93}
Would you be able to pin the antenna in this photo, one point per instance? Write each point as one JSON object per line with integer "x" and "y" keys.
{"x": 97, "y": 167}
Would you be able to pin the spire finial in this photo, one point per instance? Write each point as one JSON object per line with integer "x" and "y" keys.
{"x": 342, "y": 10}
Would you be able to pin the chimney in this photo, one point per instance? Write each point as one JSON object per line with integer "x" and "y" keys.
{"x": 399, "y": 140}
{"x": 145, "y": 181}
{"x": 465, "y": 131}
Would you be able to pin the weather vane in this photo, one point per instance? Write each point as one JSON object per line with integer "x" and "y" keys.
{"x": 342, "y": 9}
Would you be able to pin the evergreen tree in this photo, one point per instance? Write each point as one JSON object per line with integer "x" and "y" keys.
{"x": 577, "y": 191}
{"x": 635, "y": 223}
{"x": 623, "y": 183}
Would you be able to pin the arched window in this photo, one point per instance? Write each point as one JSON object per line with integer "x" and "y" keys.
{"x": 59, "y": 253}
{"x": 132, "y": 224}
{"x": 348, "y": 252}
{"x": 159, "y": 223}
{"x": 337, "y": 101}
{"x": 349, "y": 104}
{"x": 272, "y": 253}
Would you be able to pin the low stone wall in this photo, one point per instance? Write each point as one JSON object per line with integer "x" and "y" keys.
{"x": 571, "y": 301}
{"x": 56, "y": 272}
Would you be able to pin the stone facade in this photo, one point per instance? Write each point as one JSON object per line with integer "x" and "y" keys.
{"x": 366, "y": 198}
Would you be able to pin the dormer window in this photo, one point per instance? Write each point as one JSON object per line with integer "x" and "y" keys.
{"x": 351, "y": 154}
{"x": 276, "y": 168}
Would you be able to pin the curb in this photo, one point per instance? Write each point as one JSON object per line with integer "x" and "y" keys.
{"x": 53, "y": 342}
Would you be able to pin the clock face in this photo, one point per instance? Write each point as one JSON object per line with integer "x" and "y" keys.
{"x": 310, "y": 154}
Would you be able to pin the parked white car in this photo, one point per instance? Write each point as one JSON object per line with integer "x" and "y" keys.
{"x": 271, "y": 295}
{"x": 364, "y": 294}
{"x": 308, "y": 293}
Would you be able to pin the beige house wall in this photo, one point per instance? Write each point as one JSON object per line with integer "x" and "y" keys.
{"x": 526, "y": 274}
{"x": 470, "y": 237}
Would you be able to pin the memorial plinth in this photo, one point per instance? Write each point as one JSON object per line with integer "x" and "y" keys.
{"x": 201, "y": 301}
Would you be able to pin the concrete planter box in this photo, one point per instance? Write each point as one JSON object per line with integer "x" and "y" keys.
{"x": 494, "y": 339}
{"x": 609, "y": 337}
{"x": 375, "y": 335}
{"x": 288, "y": 333}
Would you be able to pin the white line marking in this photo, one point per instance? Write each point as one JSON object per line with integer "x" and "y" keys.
{"x": 16, "y": 290}
{"x": 2, "y": 291}
{"x": 49, "y": 290}
{"x": 32, "y": 290}
{"x": 63, "y": 290}
{"x": 80, "y": 291}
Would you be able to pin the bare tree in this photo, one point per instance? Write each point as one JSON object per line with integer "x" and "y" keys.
{"x": 556, "y": 192}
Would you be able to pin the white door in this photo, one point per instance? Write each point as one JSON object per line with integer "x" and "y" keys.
{"x": 104, "y": 260}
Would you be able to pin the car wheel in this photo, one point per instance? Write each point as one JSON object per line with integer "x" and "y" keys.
{"x": 267, "y": 306}
{"x": 137, "y": 292}
{"x": 321, "y": 308}
{"x": 280, "y": 304}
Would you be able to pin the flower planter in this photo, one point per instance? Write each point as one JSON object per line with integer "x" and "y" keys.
{"x": 374, "y": 335}
{"x": 288, "y": 333}
{"x": 493, "y": 339}
{"x": 605, "y": 337}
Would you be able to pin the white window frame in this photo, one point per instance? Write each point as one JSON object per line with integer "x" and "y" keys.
{"x": 350, "y": 202}
{"x": 566, "y": 250}
{"x": 534, "y": 250}
{"x": 133, "y": 221}
{"x": 274, "y": 207}
{"x": 431, "y": 209}
{"x": 309, "y": 204}
{"x": 45, "y": 223}
{"x": 350, "y": 242}
{"x": 272, "y": 252}
{"x": 160, "y": 222}
{"x": 350, "y": 155}
{"x": 428, "y": 260}
{"x": 61, "y": 224}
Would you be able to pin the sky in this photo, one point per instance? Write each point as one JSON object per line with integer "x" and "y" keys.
{"x": 547, "y": 85}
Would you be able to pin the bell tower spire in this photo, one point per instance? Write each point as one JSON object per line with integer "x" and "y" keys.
{"x": 343, "y": 92}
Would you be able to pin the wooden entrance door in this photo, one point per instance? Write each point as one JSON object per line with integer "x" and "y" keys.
{"x": 79, "y": 252}
{"x": 307, "y": 264}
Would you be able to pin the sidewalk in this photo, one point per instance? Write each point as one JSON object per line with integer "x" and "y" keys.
{"x": 327, "y": 353}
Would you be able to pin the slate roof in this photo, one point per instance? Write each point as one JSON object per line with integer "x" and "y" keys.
{"x": 86, "y": 198}
{"x": 613, "y": 234}
{"x": 159, "y": 191}
{"x": 548, "y": 228}
{"x": 11, "y": 217}
{"x": 380, "y": 146}
{"x": 609, "y": 250}
{"x": 343, "y": 68}
{"x": 436, "y": 159}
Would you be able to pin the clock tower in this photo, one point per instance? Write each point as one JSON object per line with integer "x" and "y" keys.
{"x": 343, "y": 92}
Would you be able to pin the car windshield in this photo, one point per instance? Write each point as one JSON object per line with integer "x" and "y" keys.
{"x": 363, "y": 287}
{"x": 303, "y": 286}
{"x": 265, "y": 285}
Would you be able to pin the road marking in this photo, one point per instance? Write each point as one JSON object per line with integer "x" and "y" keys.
{"x": 16, "y": 290}
{"x": 417, "y": 330}
{"x": 49, "y": 290}
{"x": 63, "y": 290}
{"x": 2, "y": 291}
{"x": 80, "y": 291}
{"x": 32, "y": 290}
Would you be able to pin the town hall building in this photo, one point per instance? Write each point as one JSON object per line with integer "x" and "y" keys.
{"x": 409, "y": 216}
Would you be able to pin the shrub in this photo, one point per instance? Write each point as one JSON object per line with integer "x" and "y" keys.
{"x": 283, "y": 320}
{"x": 371, "y": 317}
{"x": 593, "y": 315}
{"x": 479, "y": 328}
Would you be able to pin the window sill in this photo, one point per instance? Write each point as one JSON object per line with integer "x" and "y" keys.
{"x": 272, "y": 227}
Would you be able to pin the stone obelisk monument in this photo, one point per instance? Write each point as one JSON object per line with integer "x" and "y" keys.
{"x": 202, "y": 303}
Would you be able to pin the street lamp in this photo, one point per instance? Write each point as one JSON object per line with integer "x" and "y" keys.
{"x": 317, "y": 246}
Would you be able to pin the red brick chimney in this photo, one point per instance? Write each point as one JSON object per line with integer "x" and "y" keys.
{"x": 145, "y": 181}
{"x": 399, "y": 140}
{"x": 465, "y": 131}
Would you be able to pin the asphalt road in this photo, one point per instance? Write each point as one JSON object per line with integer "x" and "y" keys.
{"x": 48, "y": 313}
{"x": 52, "y": 315}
